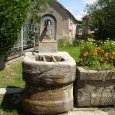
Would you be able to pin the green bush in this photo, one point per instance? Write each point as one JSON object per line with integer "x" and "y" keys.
{"x": 108, "y": 45}
{"x": 12, "y": 15}
{"x": 87, "y": 45}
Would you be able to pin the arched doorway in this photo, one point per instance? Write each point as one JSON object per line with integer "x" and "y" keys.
{"x": 48, "y": 27}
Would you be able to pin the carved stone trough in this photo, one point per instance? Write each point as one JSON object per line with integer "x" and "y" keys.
{"x": 49, "y": 81}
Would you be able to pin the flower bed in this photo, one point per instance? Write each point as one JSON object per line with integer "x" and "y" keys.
{"x": 97, "y": 55}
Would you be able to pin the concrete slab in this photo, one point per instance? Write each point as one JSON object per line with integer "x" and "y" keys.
{"x": 90, "y": 111}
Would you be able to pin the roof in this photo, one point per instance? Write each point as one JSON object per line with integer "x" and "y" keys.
{"x": 77, "y": 21}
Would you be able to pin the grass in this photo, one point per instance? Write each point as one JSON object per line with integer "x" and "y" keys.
{"x": 11, "y": 76}
{"x": 74, "y": 51}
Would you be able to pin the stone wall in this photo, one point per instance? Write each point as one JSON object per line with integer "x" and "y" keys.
{"x": 93, "y": 88}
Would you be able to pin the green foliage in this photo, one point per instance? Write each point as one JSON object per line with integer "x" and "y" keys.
{"x": 87, "y": 45}
{"x": 76, "y": 42}
{"x": 102, "y": 14}
{"x": 108, "y": 45}
{"x": 13, "y": 13}
{"x": 37, "y": 6}
{"x": 12, "y": 16}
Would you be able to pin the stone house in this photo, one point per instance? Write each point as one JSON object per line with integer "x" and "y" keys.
{"x": 63, "y": 23}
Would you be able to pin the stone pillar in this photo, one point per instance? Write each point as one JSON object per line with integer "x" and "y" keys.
{"x": 47, "y": 45}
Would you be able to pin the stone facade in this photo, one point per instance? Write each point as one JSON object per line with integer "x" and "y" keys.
{"x": 64, "y": 20}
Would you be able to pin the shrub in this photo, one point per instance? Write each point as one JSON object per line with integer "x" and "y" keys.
{"x": 12, "y": 15}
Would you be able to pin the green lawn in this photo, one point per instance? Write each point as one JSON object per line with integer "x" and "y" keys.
{"x": 74, "y": 51}
{"x": 11, "y": 76}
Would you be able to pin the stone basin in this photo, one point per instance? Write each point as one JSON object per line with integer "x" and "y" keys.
{"x": 49, "y": 81}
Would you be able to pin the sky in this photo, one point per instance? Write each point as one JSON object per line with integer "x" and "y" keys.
{"x": 76, "y": 7}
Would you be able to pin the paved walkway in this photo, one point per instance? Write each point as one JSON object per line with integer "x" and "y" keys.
{"x": 90, "y": 111}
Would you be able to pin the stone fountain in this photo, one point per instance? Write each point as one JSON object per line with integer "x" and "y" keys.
{"x": 49, "y": 77}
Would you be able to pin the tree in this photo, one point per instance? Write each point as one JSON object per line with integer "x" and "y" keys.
{"x": 102, "y": 14}
{"x": 37, "y": 7}
{"x": 13, "y": 14}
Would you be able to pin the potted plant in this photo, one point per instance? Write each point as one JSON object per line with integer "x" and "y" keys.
{"x": 95, "y": 84}
{"x": 12, "y": 15}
